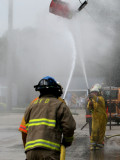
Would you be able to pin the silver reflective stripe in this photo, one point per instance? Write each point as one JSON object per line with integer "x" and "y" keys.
{"x": 100, "y": 145}
{"x": 97, "y": 99}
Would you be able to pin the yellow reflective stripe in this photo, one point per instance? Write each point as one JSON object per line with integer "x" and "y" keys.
{"x": 42, "y": 143}
{"x": 27, "y": 126}
{"x": 42, "y": 121}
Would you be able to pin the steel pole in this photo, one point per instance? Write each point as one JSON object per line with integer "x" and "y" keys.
{"x": 110, "y": 108}
{"x": 9, "y": 55}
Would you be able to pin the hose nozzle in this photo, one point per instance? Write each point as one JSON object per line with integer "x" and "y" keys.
{"x": 89, "y": 95}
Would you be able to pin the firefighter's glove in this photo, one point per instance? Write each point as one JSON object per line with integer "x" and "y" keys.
{"x": 91, "y": 95}
{"x": 66, "y": 144}
{"x": 91, "y": 104}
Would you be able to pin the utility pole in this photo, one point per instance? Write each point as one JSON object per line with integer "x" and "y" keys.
{"x": 110, "y": 107}
{"x": 10, "y": 15}
{"x": 10, "y": 55}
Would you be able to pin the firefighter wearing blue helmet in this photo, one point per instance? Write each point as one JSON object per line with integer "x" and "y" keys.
{"x": 49, "y": 123}
{"x": 48, "y": 85}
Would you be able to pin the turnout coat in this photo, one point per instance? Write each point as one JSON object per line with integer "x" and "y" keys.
{"x": 49, "y": 123}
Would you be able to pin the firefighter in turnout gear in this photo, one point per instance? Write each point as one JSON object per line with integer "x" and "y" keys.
{"x": 47, "y": 123}
{"x": 96, "y": 105}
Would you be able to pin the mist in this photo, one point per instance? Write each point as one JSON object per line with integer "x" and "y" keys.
{"x": 45, "y": 44}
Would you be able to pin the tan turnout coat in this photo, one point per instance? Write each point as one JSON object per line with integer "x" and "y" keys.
{"x": 47, "y": 119}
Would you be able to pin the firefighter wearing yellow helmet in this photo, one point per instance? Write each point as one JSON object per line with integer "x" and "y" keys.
{"x": 96, "y": 105}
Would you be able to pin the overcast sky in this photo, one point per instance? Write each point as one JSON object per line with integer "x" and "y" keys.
{"x": 92, "y": 29}
{"x": 26, "y": 13}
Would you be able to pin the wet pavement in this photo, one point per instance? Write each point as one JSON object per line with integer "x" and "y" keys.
{"x": 80, "y": 151}
{"x": 11, "y": 147}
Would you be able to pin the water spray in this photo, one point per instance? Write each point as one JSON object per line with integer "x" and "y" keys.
{"x": 73, "y": 64}
{"x": 85, "y": 74}
{"x": 84, "y": 71}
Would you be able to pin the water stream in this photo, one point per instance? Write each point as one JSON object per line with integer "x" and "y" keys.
{"x": 73, "y": 65}
{"x": 84, "y": 71}
{"x": 74, "y": 62}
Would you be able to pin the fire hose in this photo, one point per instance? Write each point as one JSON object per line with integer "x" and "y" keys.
{"x": 62, "y": 152}
{"x": 107, "y": 137}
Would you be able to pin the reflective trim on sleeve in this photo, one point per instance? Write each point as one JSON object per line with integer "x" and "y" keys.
{"x": 68, "y": 139}
{"x": 42, "y": 143}
{"x": 88, "y": 116}
{"x": 97, "y": 99}
{"x": 27, "y": 126}
{"x": 42, "y": 121}
{"x": 34, "y": 100}
{"x": 93, "y": 143}
{"x": 22, "y": 129}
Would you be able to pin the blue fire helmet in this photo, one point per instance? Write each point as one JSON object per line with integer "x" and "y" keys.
{"x": 49, "y": 85}
{"x": 46, "y": 82}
